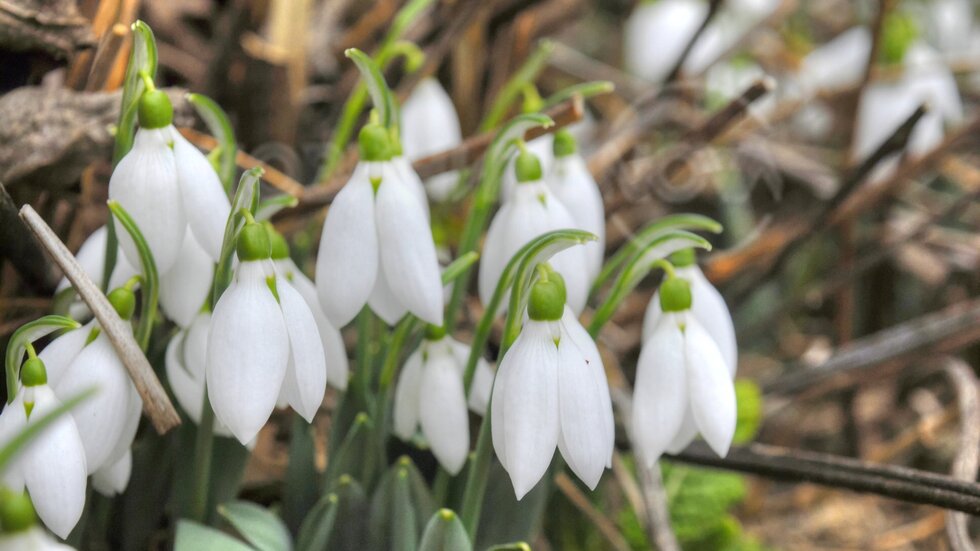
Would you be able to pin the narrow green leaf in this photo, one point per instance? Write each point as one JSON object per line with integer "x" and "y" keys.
{"x": 142, "y": 59}
{"x": 459, "y": 266}
{"x": 445, "y": 533}
{"x": 151, "y": 280}
{"x": 381, "y": 95}
{"x": 583, "y": 89}
{"x": 192, "y": 536}
{"x": 300, "y": 489}
{"x": 519, "y": 546}
{"x": 269, "y": 207}
{"x": 246, "y": 197}
{"x": 220, "y": 126}
{"x": 400, "y": 507}
{"x": 354, "y": 456}
{"x": 318, "y": 525}
{"x": 37, "y": 426}
{"x": 28, "y": 333}
{"x": 259, "y": 526}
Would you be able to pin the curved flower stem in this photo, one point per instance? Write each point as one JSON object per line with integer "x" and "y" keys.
{"x": 203, "y": 448}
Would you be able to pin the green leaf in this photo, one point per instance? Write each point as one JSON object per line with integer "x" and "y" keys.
{"x": 583, "y": 89}
{"x": 192, "y": 536}
{"x": 220, "y": 126}
{"x": 259, "y": 526}
{"x": 299, "y": 485}
{"x": 750, "y": 402}
{"x": 28, "y": 333}
{"x": 399, "y": 508}
{"x": 37, "y": 426}
{"x": 151, "y": 281}
{"x": 355, "y": 456}
{"x": 445, "y": 533}
{"x": 246, "y": 198}
{"x": 518, "y": 546}
{"x": 318, "y": 525}
{"x": 142, "y": 59}
{"x": 658, "y": 247}
{"x": 459, "y": 266}
{"x": 381, "y": 95}
{"x": 269, "y": 207}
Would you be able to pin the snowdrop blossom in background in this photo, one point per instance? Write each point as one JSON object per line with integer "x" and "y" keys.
{"x": 532, "y": 211}
{"x": 709, "y": 309}
{"x": 681, "y": 369}
{"x": 657, "y": 32}
{"x": 573, "y": 185}
{"x": 430, "y": 394}
{"x": 168, "y": 187}
{"x": 377, "y": 232}
{"x": 91, "y": 257}
{"x": 551, "y": 391}
{"x": 334, "y": 351}
{"x": 52, "y": 467}
{"x": 111, "y": 480}
{"x": 187, "y": 285}
{"x": 429, "y": 124}
{"x": 263, "y": 341}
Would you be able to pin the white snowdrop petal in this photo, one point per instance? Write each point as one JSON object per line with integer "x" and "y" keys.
{"x": 660, "y": 395}
{"x": 334, "y": 350}
{"x": 347, "y": 262}
{"x": 657, "y": 33}
{"x": 577, "y": 190}
{"x": 248, "y": 350}
{"x": 100, "y": 419}
{"x": 685, "y": 435}
{"x": 583, "y": 422}
{"x": 113, "y": 479}
{"x": 383, "y": 301}
{"x": 204, "y": 198}
{"x": 482, "y": 383}
{"x": 187, "y": 391}
{"x": 410, "y": 178}
{"x": 130, "y": 427}
{"x": 185, "y": 287}
{"x": 442, "y": 412}
{"x": 306, "y": 379}
{"x": 408, "y": 254}
{"x": 531, "y": 424}
{"x": 12, "y": 421}
{"x": 91, "y": 257}
{"x": 60, "y": 352}
{"x": 493, "y": 259}
{"x": 406, "y": 407}
{"x": 145, "y": 184}
{"x": 54, "y": 468}
{"x": 709, "y": 308}
{"x": 712, "y": 393}
{"x": 590, "y": 351}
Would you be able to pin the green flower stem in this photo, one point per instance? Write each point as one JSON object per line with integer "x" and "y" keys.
{"x": 203, "y": 456}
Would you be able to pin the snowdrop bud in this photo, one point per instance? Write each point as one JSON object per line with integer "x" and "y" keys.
{"x": 527, "y": 166}
{"x": 374, "y": 143}
{"x": 124, "y": 301}
{"x": 547, "y": 298}
{"x": 564, "y": 144}
{"x": 16, "y": 511}
{"x": 675, "y": 295}
{"x": 155, "y": 110}
{"x": 253, "y": 243}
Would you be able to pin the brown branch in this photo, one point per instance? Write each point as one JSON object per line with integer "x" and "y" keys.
{"x": 905, "y": 484}
{"x": 968, "y": 456}
{"x": 17, "y": 247}
{"x": 156, "y": 404}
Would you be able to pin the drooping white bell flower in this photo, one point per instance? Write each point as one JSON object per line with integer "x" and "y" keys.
{"x": 709, "y": 309}
{"x": 52, "y": 467}
{"x": 263, "y": 338}
{"x": 951, "y": 26}
{"x": 656, "y": 34}
{"x": 837, "y": 64}
{"x": 533, "y": 211}
{"x": 185, "y": 361}
{"x": 187, "y": 285}
{"x": 334, "y": 351}
{"x": 32, "y": 539}
{"x": 430, "y": 393}
{"x": 111, "y": 480}
{"x": 573, "y": 185}
{"x": 551, "y": 391}
{"x": 429, "y": 124}
{"x": 376, "y": 233}
{"x": 168, "y": 187}
{"x": 681, "y": 369}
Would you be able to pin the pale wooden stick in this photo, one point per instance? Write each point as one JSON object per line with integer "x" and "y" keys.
{"x": 156, "y": 404}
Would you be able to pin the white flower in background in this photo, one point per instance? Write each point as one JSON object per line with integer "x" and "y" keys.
{"x": 656, "y": 34}
{"x": 333, "y": 343}
{"x": 429, "y": 124}
{"x": 951, "y": 26}
{"x": 551, "y": 391}
{"x": 112, "y": 479}
{"x": 709, "y": 309}
{"x": 52, "y": 467}
{"x": 573, "y": 185}
{"x": 430, "y": 393}
{"x": 32, "y": 539}
{"x": 263, "y": 341}
{"x": 187, "y": 285}
{"x": 168, "y": 187}
{"x": 377, "y": 232}
{"x": 837, "y": 64}
{"x": 681, "y": 369}
{"x": 533, "y": 211}
{"x": 91, "y": 257}
{"x": 185, "y": 362}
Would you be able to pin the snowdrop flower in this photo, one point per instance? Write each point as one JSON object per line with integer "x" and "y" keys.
{"x": 429, "y": 124}
{"x": 551, "y": 391}
{"x": 263, "y": 340}
{"x": 333, "y": 343}
{"x": 533, "y": 211}
{"x": 91, "y": 257}
{"x": 709, "y": 309}
{"x": 377, "y": 233}
{"x": 573, "y": 185}
{"x": 107, "y": 422}
{"x": 20, "y": 530}
{"x": 52, "y": 467}
{"x": 681, "y": 369}
{"x": 187, "y": 285}
{"x": 168, "y": 187}
{"x": 430, "y": 392}
{"x": 656, "y": 34}
{"x": 837, "y": 64}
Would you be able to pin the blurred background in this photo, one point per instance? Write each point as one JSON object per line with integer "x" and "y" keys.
{"x": 835, "y": 140}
